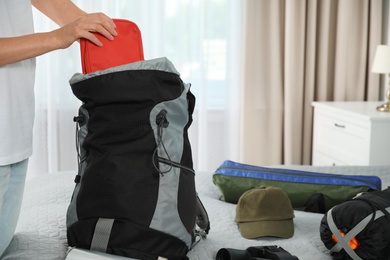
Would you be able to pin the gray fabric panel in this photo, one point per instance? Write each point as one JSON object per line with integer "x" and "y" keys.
{"x": 71, "y": 216}
{"x": 101, "y": 236}
{"x": 162, "y": 64}
{"x": 177, "y": 116}
{"x": 166, "y": 217}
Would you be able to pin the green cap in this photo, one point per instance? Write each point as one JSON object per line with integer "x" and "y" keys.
{"x": 265, "y": 212}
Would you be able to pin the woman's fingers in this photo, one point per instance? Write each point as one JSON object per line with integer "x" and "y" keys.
{"x": 99, "y": 22}
{"x": 85, "y": 26}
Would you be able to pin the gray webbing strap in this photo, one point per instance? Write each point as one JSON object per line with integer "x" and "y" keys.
{"x": 340, "y": 238}
{"x": 343, "y": 240}
{"x": 102, "y": 234}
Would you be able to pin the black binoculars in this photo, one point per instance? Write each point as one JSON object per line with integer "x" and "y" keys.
{"x": 255, "y": 253}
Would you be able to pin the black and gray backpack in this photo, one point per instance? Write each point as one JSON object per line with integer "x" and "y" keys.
{"x": 135, "y": 189}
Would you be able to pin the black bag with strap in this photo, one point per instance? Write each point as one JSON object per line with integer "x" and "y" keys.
{"x": 359, "y": 228}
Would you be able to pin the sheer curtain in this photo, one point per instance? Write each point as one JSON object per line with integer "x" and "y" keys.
{"x": 201, "y": 38}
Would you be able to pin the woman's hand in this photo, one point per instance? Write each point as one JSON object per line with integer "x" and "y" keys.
{"x": 84, "y": 27}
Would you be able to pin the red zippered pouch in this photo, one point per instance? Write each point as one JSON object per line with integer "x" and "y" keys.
{"x": 125, "y": 48}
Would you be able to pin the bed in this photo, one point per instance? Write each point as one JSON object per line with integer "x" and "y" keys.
{"x": 41, "y": 230}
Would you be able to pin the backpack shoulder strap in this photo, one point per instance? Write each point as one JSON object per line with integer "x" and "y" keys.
{"x": 202, "y": 221}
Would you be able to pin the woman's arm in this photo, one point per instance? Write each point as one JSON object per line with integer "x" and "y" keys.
{"x": 64, "y": 12}
{"x": 15, "y": 49}
{"x": 61, "y": 12}
{"x": 75, "y": 24}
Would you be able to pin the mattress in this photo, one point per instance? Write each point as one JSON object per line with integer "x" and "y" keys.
{"x": 41, "y": 230}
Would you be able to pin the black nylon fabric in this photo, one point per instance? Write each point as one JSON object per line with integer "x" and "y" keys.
{"x": 119, "y": 180}
{"x": 374, "y": 239}
{"x": 130, "y": 240}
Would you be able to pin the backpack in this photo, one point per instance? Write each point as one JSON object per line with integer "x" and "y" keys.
{"x": 135, "y": 190}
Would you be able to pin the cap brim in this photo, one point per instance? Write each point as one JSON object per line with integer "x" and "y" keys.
{"x": 279, "y": 228}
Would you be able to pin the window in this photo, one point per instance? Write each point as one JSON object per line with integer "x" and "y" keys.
{"x": 201, "y": 38}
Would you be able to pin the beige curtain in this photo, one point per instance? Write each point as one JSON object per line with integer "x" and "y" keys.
{"x": 296, "y": 52}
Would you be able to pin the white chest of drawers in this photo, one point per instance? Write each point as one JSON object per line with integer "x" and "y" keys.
{"x": 350, "y": 133}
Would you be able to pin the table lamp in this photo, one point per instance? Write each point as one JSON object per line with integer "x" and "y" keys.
{"x": 382, "y": 65}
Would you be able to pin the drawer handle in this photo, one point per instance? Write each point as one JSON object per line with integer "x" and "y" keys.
{"x": 338, "y": 125}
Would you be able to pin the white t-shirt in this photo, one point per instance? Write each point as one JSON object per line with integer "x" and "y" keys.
{"x": 16, "y": 86}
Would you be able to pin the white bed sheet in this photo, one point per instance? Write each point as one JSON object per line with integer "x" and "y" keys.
{"x": 41, "y": 230}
